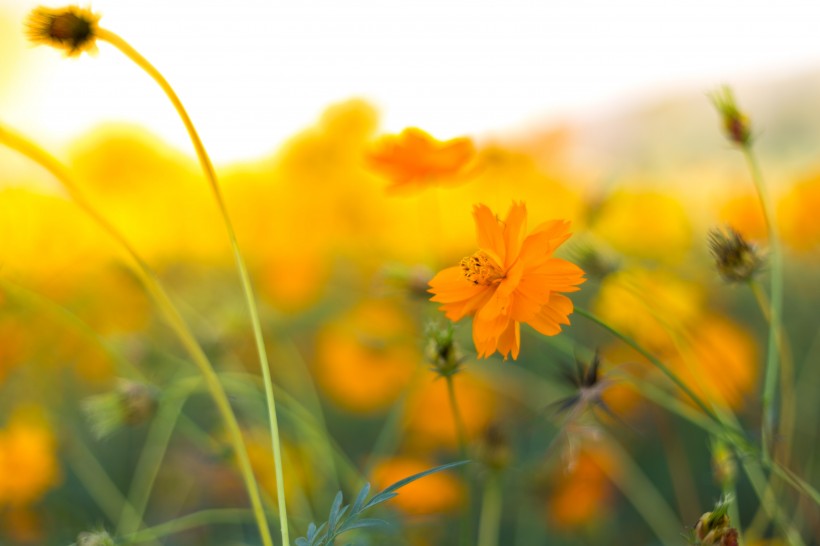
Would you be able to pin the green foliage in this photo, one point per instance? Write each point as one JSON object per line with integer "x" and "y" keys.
{"x": 344, "y": 518}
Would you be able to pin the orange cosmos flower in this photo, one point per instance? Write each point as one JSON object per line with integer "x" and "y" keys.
{"x": 513, "y": 278}
{"x": 414, "y": 158}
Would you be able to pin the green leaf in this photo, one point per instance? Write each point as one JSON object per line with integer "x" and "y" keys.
{"x": 389, "y": 491}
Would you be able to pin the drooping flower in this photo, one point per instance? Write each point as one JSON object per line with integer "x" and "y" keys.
{"x": 72, "y": 29}
{"x": 512, "y": 278}
{"x": 413, "y": 158}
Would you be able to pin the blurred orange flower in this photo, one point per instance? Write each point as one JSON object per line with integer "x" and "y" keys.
{"x": 415, "y": 159}
{"x": 512, "y": 279}
{"x": 797, "y": 215}
{"x": 433, "y": 494}
{"x": 28, "y": 459}
{"x": 582, "y": 494}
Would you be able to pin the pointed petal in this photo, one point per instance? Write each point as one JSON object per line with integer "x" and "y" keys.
{"x": 556, "y": 312}
{"x": 490, "y": 236}
{"x": 543, "y": 241}
{"x": 515, "y": 226}
{"x": 510, "y": 340}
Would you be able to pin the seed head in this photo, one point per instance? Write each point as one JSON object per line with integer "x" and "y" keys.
{"x": 736, "y": 259}
{"x": 72, "y": 29}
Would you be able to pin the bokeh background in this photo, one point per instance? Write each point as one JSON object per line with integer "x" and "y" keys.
{"x": 595, "y": 112}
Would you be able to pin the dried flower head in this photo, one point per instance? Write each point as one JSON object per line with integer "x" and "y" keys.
{"x": 735, "y": 122}
{"x": 714, "y": 528}
{"x": 72, "y": 29}
{"x": 736, "y": 259}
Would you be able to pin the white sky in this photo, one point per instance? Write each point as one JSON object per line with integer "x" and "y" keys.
{"x": 258, "y": 71}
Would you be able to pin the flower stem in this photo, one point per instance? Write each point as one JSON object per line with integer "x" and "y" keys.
{"x": 462, "y": 449}
{"x": 643, "y": 495}
{"x": 97, "y": 483}
{"x": 250, "y": 300}
{"x": 152, "y": 284}
{"x": 490, "y": 519}
{"x": 156, "y": 444}
{"x": 654, "y": 360}
{"x": 459, "y": 422}
{"x": 775, "y": 307}
{"x": 189, "y": 521}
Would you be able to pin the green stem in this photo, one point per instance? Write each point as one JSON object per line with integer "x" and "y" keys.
{"x": 643, "y": 495}
{"x": 490, "y": 519}
{"x": 148, "y": 465}
{"x": 96, "y": 482}
{"x": 654, "y": 360}
{"x": 459, "y": 422}
{"x": 189, "y": 521}
{"x": 769, "y": 503}
{"x": 776, "y": 304}
{"x": 250, "y": 300}
{"x": 462, "y": 449}
{"x": 153, "y": 286}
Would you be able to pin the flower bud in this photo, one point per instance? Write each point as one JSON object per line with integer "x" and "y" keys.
{"x": 442, "y": 350}
{"x": 735, "y": 122}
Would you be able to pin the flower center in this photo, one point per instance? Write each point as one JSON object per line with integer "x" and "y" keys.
{"x": 481, "y": 269}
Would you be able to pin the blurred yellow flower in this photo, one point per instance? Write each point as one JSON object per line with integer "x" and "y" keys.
{"x": 652, "y": 307}
{"x": 366, "y": 357}
{"x": 28, "y": 459}
{"x": 512, "y": 278}
{"x": 414, "y": 159}
{"x": 797, "y": 215}
{"x": 645, "y": 224}
{"x": 719, "y": 362}
{"x": 437, "y": 493}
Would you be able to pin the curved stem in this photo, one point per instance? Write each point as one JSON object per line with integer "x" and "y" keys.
{"x": 775, "y": 307}
{"x": 654, "y": 360}
{"x": 643, "y": 495}
{"x": 152, "y": 284}
{"x": 250, "y": 300}
{"x": 189, "y": 521}
{"x": 150, "y": 460}
{"x": 98, "y": 484}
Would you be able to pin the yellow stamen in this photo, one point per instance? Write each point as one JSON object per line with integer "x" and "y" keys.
{"x": 481, "y": 269}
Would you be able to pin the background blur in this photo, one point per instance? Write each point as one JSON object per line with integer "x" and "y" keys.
{"x": 593, "y": 112}
{"x": 254, "y": 73}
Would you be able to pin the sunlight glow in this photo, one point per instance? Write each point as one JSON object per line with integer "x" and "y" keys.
{"x": 253, "y": 75}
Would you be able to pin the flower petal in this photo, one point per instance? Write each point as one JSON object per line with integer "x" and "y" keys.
{"x": 459, "y": 296}
{"x": 490, "y": 236}
{"x": 544, "y": 240}
{"x": 510, "y": 340}
{"x": 554, "y": 275}
{"x": 549, "y": 319}
{"x": 515, "y": 226}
